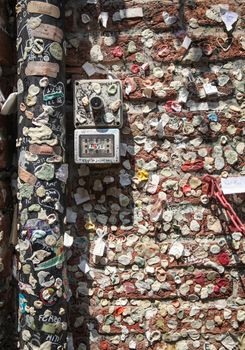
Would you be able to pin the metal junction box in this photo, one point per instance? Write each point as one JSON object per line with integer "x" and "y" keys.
{"x": 98, "y": 116}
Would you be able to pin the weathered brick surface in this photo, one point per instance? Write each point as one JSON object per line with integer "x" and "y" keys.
{"x": 165, "y": 322}
{"x": 140, "y": 295}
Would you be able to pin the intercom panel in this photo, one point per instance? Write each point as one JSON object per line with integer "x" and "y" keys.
{"x": 98, "y": 104}
{"x": 97, "y": 146}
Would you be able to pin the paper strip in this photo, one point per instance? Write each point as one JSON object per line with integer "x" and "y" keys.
{"x": 231, "y": 185}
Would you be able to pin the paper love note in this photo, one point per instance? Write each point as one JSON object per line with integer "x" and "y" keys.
{"x": 99, "y": 247}
{"x": 233, "y": 185}
{"x": 229, "y": 18}
{"x": 68, "y": 240}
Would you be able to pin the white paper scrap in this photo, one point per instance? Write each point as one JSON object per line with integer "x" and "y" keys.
{"x": 2, "y": 98}
{"x": 153, "y": 184}
{"x": 183, "y": 95}
{"x": 186, "y": 43}
{"x": 70, "y": 344}
{"x": 195, "y": 106}
{"x": 123, "y": 149}
{"x": 62, "y": 173}
{"x": 176, "y": 250}
{"x": 89, "y": 69}
{"x": 231, "y": 185}
{"x": 99, "y": 247}
{"x": 10, "y": 105}
{"x": 131, "y": 12}
{"x": 71, "y": 216}
{"x": 210, "y": 89}
{"x": 229, "y": 18}
{"x": 128, "y": 89}
{"x": 103, "y": 17}
{"x": 83, "y": 266}
{"x": 68, "y": 240}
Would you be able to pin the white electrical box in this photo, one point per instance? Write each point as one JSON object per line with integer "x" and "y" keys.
{"x": 97, "y": 146}
{"x": 98, "y": 116}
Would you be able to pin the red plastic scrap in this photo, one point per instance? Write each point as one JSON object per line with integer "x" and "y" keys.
{"x": 119, "y": 310}
{"x": 216, "y": 289}
{"x": 186, "y": 188}
{"x": 192, "y": 166}
{"x": 104, "y": 345}
{"x": 172, "y": 106}
{"x": 224, "y": 259}
{"x": 214, "y": 191}
{"x": 135, "y": 68}
{"x": 200, "y": 278}
{"x": 117, "y": 52}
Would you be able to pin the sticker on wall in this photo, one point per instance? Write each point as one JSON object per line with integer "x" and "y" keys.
{"x": 54, "y": 95}
{"x": 51, "y": 197}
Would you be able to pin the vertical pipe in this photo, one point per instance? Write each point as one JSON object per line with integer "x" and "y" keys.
{"x": 42, "y": 174}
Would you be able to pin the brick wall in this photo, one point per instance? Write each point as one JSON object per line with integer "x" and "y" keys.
{"x": 172, "y": 275}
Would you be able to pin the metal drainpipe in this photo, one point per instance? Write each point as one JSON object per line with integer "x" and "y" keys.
{"x": 42, "y": 174}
